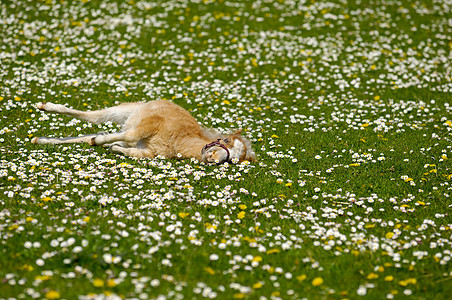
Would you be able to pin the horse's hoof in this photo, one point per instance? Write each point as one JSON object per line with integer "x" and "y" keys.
{"x": 40, "y": 106}
{"x": 110, "y": 147}
{"x": 92, "y": 141}
{"x": 34, "y": 140}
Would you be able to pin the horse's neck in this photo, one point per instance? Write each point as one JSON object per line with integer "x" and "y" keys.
{"x": 191, "y": 147}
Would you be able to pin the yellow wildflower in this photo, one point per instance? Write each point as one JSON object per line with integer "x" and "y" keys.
{"x": 52, "y": 295}
{"x": 257, "y": 285}
{"x": 301, "y": 277}
{"x": 317, "y": 281}
{"x": 111, "y": 283}
{"x": 389, "y": 235}
{"x": 183, "y": 215}
{"x": 273, "y": 251}
{"x": 209, "y": 270}
{"x": 257, "y": 258}
{"x": 98, "y": 282}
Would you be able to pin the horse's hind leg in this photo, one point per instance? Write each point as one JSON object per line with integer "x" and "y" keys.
{"x": 67, "y": 140}
{"x": 136, "y": 129}
{"x": 117, "y": 114}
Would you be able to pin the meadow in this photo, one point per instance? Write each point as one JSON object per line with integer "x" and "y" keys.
{"x": 347, "y": 103}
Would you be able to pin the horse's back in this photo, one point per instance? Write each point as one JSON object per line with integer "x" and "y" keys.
{"x": 164, "y": 119}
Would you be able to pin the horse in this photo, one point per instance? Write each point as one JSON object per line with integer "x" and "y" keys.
{"x": 153, "y": 128}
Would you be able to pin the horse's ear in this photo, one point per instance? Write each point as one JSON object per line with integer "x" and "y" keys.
{"x": 238, "y": 132}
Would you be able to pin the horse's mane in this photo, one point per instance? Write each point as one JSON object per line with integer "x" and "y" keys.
{"x": 212, "y": 134}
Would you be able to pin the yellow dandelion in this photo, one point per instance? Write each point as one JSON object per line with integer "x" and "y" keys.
{"x": 183, "y": 215}
{"x": 42, "y": 277}
{"x": 209, "y": 270}
{"x": 28, "y": 267}
{"x": 301, "y": 277}
{"x": 271, "y": 251}
{"x": 98, "y": 282}
{"x": 403, "y": 282}
{"x": 317, "y": 281}
{"x": 111, "y": 283}
{"x": 52, "y": 295}
{"x": 257, "y": 285}
{"x": 389, "y": 235}
{"x": 257, "y": 258}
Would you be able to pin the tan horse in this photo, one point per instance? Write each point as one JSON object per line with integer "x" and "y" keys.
{"x": 155, "y": 128}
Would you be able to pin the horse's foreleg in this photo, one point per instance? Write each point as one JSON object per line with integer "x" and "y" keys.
{"x": 129, "y": 137}
{"x": 100, "y": 140}
{"x": 133, "y": 152}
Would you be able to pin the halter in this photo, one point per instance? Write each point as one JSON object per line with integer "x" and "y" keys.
{"x": 216, "y": 143}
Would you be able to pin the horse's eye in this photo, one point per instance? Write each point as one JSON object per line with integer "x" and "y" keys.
{"x": 226, "y": 140}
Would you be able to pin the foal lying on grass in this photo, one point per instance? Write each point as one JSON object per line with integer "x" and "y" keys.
{"x": 155, "y": 128}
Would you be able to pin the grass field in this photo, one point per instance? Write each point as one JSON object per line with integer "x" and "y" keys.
{"x": 349, "y": 108}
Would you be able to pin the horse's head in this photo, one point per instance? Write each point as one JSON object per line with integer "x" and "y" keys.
{"x": 233, "y": 148}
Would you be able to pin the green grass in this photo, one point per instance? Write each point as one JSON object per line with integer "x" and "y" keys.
{"x": 348, "y": 108}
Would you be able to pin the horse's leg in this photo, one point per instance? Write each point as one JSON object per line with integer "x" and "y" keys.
{"x": 129, "y": 137}
{"x": 137, "y": 128}
{"x": 67, "y": 140}
{"x": 118, "y": 114}
{"x": 133, "y": 152}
